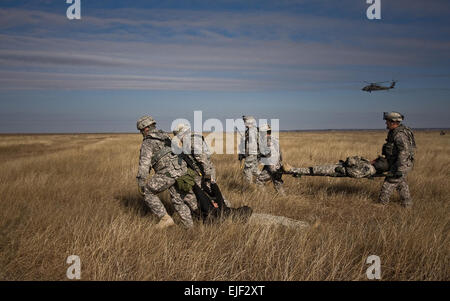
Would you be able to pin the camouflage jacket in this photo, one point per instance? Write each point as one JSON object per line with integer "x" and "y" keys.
{"x": 201, "y": 154}
{"x": 399, "y": 149}
{"x": 270, "y": 151}
{"x": 156, "y": 153}
{"x": 249, "y": 144}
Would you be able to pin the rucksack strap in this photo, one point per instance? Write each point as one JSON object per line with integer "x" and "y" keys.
{"x": 162, "y": 152}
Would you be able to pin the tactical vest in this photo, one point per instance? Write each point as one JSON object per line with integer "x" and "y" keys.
{"x": 390, "y": 150}
{"x": 165, "y": 150}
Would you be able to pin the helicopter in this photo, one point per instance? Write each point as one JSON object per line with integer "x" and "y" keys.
{"x": 377, "y": 87}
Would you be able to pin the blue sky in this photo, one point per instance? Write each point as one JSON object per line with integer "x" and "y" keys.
{"x": 303, "y": 62}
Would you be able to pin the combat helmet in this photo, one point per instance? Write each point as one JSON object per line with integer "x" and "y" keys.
{"x": 381, "y": 164}
{"x": 181, "y": 129}
{"x": 265, "y": 128}
{"x": 144, "y": 122}
{"x": 393, "y": 116}
{"x": 249, "y": 121}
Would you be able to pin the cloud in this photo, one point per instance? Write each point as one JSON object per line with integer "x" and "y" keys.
{"x": 255, "y": 55}
{"x": 40, "y": 80}
{"x": 236, "y": 50}
{"x": 22, "y": 57}
{"x": 165, "y": 24}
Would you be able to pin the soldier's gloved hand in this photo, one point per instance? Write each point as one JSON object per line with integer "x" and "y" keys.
{"x": 213, "y": 180}
{"x": 398, "y": 174}
{"x": 272, "y": 169}
{"x": 141, "y": 186}
{"x": 141, "y": 190}
{"x": 240, "y": 157}
{"x": 207, "y": 178}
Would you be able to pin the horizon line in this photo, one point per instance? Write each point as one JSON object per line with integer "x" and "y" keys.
{"x": 282, "y": 131}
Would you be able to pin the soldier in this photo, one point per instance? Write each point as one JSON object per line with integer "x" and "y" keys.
{"x": 272, "y": 159}
{"x": 399, "y": 151}
{"x": 249, "y": 148}
{"x": 156, "y": 153}
{"x": 353, "y": 167}
{"x": 195, "y": 145}
{"x": 196, "y": 148}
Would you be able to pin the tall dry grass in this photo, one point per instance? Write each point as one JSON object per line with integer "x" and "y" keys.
{"x": 76, "y": 194}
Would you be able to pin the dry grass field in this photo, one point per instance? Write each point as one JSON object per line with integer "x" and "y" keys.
{"x": 76, "y": 194}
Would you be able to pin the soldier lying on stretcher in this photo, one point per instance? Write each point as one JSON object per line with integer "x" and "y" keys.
{"x": 353, "y": 167}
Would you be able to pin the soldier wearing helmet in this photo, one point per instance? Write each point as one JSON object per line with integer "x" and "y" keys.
{"x": 399, "y": 151}
{"x": 271, "y": 158}
{"x": 195, "y": 145}
{"x": 144, "y": 123}
{"x": 156, "y": 153}
{"x": 249, "y": 149}
{"x": 196, "y": 148}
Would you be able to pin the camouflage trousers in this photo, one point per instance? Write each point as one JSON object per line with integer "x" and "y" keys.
{"x": 159, "y": 183}
{"x": 250, "y": 168}
{"x": 401, "y": 185}
{"x": 191, "y": 201}
{"x": 271, "y": 173}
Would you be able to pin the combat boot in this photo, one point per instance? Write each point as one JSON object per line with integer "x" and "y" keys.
{"x": 165, "y": 222}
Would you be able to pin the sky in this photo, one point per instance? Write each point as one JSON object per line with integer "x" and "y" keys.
{"x": 303, "y": 62}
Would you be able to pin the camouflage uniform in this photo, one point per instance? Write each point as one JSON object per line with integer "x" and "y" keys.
{"x": 197, "y": 150}
{"x": 156, "y": 153}
{"x": 353, "y": 167}
{"x": 202, "y": 156}
{"x": 399, "y": 150}
{"x": 272, "y": 170}
{"x": 248, "y": 149}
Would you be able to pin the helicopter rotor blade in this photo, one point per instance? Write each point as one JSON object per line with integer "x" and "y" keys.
{"x": 376, "y": 83}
